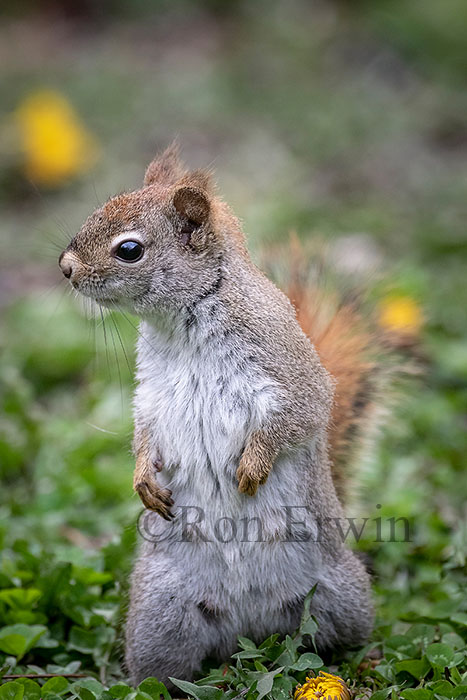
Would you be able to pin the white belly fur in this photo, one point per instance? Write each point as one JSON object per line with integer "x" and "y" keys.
{"x": 200, "y": 405}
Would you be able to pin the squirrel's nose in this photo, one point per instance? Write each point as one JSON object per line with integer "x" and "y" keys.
{"x": 65, "y": 262}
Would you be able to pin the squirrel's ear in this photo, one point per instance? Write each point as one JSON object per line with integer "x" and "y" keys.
{"x": 166, "y": 168}
{"x": 191, "y": 196}
{"x": 191, "y": 201}
{"x": 192, "y": 204}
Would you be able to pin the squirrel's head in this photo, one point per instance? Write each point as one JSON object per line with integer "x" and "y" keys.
{"x": 160, "y": 247}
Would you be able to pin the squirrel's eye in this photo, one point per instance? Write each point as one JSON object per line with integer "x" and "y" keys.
{"x": 129, "y": 251}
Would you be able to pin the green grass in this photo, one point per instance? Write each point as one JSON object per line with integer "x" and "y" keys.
{"x": 69, "y": 520}
{"x": 344, "y": 120}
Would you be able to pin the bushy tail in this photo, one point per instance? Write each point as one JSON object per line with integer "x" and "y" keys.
{"x": 344, "y": 348}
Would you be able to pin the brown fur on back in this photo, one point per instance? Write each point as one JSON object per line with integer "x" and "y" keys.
{"x": 344, "y": 344}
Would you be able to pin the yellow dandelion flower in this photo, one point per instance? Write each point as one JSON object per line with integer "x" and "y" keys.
{"x": 401, "y": 314}
{"x": 325, "y": 686}
{"x": 55, "y": 144}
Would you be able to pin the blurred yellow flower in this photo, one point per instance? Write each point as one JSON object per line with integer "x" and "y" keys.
{"x": 325, "y": 686}
{"x": 401, "y": 314}
{"x": 55, "y": 144}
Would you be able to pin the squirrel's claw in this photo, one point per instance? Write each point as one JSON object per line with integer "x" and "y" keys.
{"x": 156, "y": 499}
{"x": 250, "y": 477}
{"x": 246, "y": 483}
{"x": 167, "y": 502}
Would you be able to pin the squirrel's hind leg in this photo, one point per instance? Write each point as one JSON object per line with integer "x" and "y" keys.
{"x": 170, "y": 628}
{"x": 342, "y": 604}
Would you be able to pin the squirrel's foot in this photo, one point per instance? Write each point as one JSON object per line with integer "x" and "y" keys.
{"x": 249, "y": 478}
{"x": 155, "y": 498}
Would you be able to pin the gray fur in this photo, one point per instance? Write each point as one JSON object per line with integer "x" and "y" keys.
{"x": 224, "y": 371}
{"x": 251, "y": 367}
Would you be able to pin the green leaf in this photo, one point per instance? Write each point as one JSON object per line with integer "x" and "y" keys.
{"x": 453, "y": 640}
{"x": 87, "y": 688}
{"x": 55, "y": 581}
{"x": 292, "y": 645}
{"x": 417, "y": 694}
{"x": 289, "y": 655}
{"x": 32, "y": 690}
{"x": 269, "y": 642}
{"x": 55, "y": 686}
{"x": 200, "y": 692}
{"x": 443, "y": 688}
{"x": 22, "y": 598}
{"x": 381, "y": 694}
{"x": 283, "y": 687}
{"x": 120, "y": 690}
{"x": 418, "y": 668}
{"x": 19, "y": 639}
{"x": 154, "y": 688}
{"x": 457, "y": 659}
{"x": 421, "y": 634}
{"x": 82, "y": 640}
{"x": 444, "y": 609}
{"x": 90, "y": 577}
{"x": 246, "y": 643}
{"x": 386, "y": 671}
{"x": 248, "y": 654}
{"x": 460, "y": 618}
{"x": 72, "y": 667}
{"x": 265, "y": 683}
{"x": 216, "y": 676}
{"x": 260, "y": 667}
{"x": 90, "y": 684}
{"x": 12, "y": 691}
{"x": 308, "y": 661}
{"x": 439, "y": 654}
{"x": 83, "y": 693}
{"x": 308, "y": 624}
{"x": 401, "y": 644}
{"x": 455, "y": 675}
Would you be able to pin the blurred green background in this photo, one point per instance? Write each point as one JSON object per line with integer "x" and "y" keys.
{"x": 338, "y": 120}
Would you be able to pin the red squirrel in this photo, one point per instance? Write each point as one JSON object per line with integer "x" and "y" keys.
{"x": 245, "y": 419}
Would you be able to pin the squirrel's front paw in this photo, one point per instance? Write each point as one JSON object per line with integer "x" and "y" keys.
{"x": 249, "y": 478}
{"x": 155, "y": 498}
